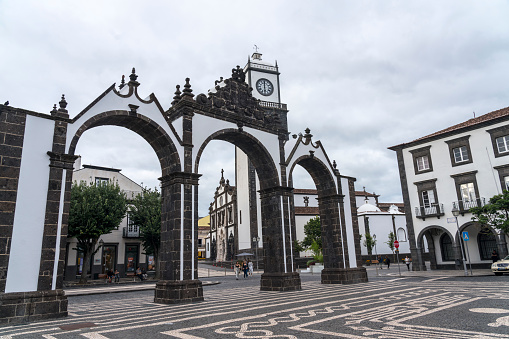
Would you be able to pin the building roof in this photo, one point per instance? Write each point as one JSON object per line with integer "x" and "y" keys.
{"x": 204, "y": 222}
{"x": 367, "y": 207}
{"x": 485, "y": 119}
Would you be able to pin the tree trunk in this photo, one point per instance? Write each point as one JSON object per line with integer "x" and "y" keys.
{"x": 88, "y": 251}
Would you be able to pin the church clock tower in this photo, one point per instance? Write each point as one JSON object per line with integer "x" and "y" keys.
{"x": 263, "y": 78}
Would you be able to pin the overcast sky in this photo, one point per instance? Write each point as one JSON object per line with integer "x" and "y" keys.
{"x": 362, "y": 75}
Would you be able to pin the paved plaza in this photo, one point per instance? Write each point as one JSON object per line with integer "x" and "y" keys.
{"x": 414, "y": 305}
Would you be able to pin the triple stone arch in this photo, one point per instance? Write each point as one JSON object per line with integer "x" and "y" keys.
{"x": 180, "y": 135}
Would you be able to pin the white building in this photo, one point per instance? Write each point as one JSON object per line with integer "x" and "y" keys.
{"x": 122, "y": 248}
{"x": 459, "y": 167}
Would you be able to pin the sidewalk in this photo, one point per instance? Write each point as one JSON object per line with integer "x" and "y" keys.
{"x": 428, "y": 273}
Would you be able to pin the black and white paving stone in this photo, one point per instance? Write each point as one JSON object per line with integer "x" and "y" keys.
{"x": 389, "y": 306}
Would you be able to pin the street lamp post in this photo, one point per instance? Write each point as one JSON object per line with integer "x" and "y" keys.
{"x": 256, "y": 240}
{"x": 455, "y": 211}
{"x": 376, "y": 255}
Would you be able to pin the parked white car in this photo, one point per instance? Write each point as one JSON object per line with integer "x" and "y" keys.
{"x": 501, "y": 266}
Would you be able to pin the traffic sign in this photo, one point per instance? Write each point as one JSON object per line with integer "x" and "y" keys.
{"x": 396, "y": 243}
{"x": 465, "y": 236}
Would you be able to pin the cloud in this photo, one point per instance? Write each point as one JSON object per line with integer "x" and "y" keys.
{"x": 362, "y": 75}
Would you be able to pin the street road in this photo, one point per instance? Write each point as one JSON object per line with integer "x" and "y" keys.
{"x": 433, "y": 305}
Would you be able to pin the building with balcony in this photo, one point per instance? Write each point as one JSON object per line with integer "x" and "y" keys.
{"x": 445, "y": 174}
{"x": 122, "y": 248}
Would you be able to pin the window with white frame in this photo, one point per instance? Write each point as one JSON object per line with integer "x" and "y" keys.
{"x": 459, "y": 149}
{"x": 500, "y": 140}
{"x": 506, "y": 183}
{"x": 503, "y": 144}
{"x": 101, "y": 181}
{"x": 428, "y": 198}
{"x": 467, "y": 191}
{"x": 422, "y": 163}
{"x": 460, "y": 154}
{"x": 422, "y": 160}
{"x": 401, "y": 234}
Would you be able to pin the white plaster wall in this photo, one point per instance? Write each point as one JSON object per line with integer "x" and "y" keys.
{"x": 483, "y": 162}
{"x": 242, "y": 185}
{"x": 112, "y": 101}
{"x": 28, "y": 227}
{"x": 381, "y": 225}
{"x": 349, "y": 225}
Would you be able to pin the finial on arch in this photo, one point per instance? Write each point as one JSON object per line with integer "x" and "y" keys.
{"x": 187, "y": 92}
{"x": 133, "y": 77}
{"x": 177, "y": 96}
{"x": 122, "y": 82}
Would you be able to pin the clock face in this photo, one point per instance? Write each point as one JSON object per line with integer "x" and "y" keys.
{"x": 264, "y": 87}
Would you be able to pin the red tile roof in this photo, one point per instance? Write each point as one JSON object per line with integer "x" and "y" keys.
{"x": 485, "y": 118}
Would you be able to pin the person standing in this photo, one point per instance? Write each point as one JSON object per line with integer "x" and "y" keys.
{"x": 407, "y": 262}
{"x": 494, "y": 256}
{"x": 237, "y": 270}
{"x": 245, "y": 268}
{"x": 250, "y": 265}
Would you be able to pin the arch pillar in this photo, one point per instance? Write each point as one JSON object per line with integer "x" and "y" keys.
{"x": 278, "y": 253}
{"x": 178, "y": 258}
{"x": 337, "y": 268}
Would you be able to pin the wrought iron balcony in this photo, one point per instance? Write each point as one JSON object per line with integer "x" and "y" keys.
{"x": 131, "y": 232}
{"x": 434, "y": 210}
{"x": 464, "y": 206}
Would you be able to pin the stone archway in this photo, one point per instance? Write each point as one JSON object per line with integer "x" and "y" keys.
{"x": 336, "y": 202}
{"x": 35, "y": 220}
{"x": 278, "y": 257}
{"x": 433, "y": 233}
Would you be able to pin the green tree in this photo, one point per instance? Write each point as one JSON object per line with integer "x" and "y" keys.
{"x": 390, "y": 243}
{"x": 313, "y": 232}
{"x": 145, "y": 211}
{"x": 369, "y": 242}
{"x": 495, "y": 213}
{"x": 94, "y": 210}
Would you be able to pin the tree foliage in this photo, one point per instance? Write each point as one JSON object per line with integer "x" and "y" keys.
{"x": 313, "y": 232}
{"x": 145, "y": 211}
{"x": 390, "y": 241}
{"x": 369, "y": 242}
{"x": 94, "y": 210}
{"x": 495, "y": 213}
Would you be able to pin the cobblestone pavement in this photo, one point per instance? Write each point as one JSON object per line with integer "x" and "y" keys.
{"x": 389, "y": 306}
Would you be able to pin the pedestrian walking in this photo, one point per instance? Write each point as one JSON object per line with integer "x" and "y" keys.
{"x": 387, "y": 261}
{"x": 407, "y": 262}
{"x": 250, "y": 266}
{"x": 237, "y": 270}
{"x": 245, "y": 268}
{"x": 380, "y": 261}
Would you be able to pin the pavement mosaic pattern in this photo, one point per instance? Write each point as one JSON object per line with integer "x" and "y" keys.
{"x": 392, "y": 307}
